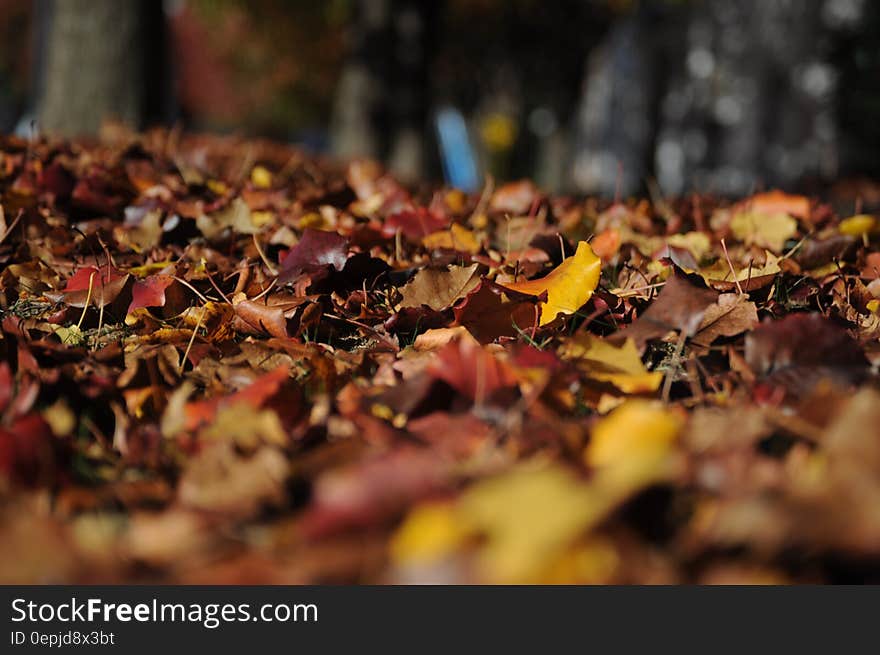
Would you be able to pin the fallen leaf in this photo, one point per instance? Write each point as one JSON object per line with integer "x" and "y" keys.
{"x": 221, "y": 480}
{"x": 857, "y": 226}
{"x": 511, "y": 511}
{"x": 430, "y": 532}
{"x": 778, "y": 202}
{"x": 680, "y": 306}
{"x": 316, "y": 252}
{"x": 456, "y": 238}
{"x": 514, "y": 198}
{"x": 262, "y": 318}
{"x": 766, "y": 230}
{"x": 731, "y": 314}
{"x": 604, "y": 361}
{"x": 796, "y": 352}
{"x": 468, "y": 368}
{"x": 236, "y": 217}
{"x": 414, "y": 224}
{"x": 431, "y": 340}
{"x": 93, "y": 286}
{"x": 638, "y": 432}
{"x": 149, "y": 292}
{"x": 487, "y": 315}
{"x": 439, "y": 288}
{"x": 568, "y": 287}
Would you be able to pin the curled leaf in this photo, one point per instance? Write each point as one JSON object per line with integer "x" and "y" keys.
{"x": 568, "y": 287}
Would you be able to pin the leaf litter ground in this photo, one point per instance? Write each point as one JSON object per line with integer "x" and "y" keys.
{"x": 224, "y": 361}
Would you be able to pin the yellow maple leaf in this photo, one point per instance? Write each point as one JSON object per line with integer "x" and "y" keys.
{"x": 529, "y": 516}
{"x": 261, "y": 177}
{"x": 767, "y": 230}
{"x": 455, "y": 238}
{"x": 696, "y": 242}
{"x": 430, "y": 532}
{"x": 246, "y": 426}
{"x": 720, "y": 272}
{"x": 857, "y": 225}
{"x": 568, "y": 286}
{"x": 607, "y": 362}
{"x": 631, "y": 446}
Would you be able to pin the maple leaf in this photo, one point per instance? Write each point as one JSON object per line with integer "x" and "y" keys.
{"x": 487, "y": 316}
{"x": 680, "y": 306}
{"x": 619, "y": 365}
{"x": 414, "y": 224}
{"x": 514, "y": 198}
{"x": 91, "y": 285}
{"x": 315, "y": 254}
{"x": 797, "y": 352}
{"x": 729, "y": 316}
{"x": 455, "y": 238}
{"x": 438, "y": 289}
{"x": 778, "y": 202}
{"x": 769, "y": 231}
{"x": 466, "y": 366}
{"x": 567, "y": 287}
{"x": 149, "y": 292}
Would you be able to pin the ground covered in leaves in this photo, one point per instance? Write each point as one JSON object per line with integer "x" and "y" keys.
{"x": 223, "y": 361}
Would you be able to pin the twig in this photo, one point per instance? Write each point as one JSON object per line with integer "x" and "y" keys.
{"x": 732, "y": 271}
{"x": 12, "y": 225}
{"x": 262, "y": 255}
{"x": 625, "y": 293}
{"x": 364, "y": 326}
{"x": 191, "y": 288}
{"x": 191, "y": 341}
{"x": 88, "y": 300}
{"x": 265, "y": 291}
{"x": 216, "y": 288}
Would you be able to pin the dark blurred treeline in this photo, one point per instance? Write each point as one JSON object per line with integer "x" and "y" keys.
{"x": 600, "y": 96}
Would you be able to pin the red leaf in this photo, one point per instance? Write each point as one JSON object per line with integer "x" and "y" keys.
{"x": 106, "y": 283}
{"x": 466, "y": 366}
{"x": 315, "y": 253}
{"x": 376, "y": 490}
{"x": 414, "y": 224}
{"x": 5, "y": 385}
{"x": 258, "y": 392}
{"x": 57, "y": 180}
{"x": 26, "y": 451}
{"x": 800, "y": 350}
{"x": 149, "y": 292}
{"x": 515, "y": 198}
{"x": 487, "y": 316}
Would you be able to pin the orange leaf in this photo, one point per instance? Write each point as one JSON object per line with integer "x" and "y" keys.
{"x": 779, "y": 202}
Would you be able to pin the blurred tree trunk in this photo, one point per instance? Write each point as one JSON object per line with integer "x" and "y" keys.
{"x": 96, "y": 64}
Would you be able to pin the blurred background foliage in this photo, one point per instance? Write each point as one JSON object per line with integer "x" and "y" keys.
{"x": 597, "y": 96}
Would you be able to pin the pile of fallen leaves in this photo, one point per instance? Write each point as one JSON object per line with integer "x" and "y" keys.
{"x": 223, "y": 361}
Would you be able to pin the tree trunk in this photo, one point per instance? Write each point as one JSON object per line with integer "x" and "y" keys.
{"x": 94, "y": 66}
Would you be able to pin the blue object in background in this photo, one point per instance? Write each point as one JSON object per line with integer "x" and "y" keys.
{"x": 456, "y": 153}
